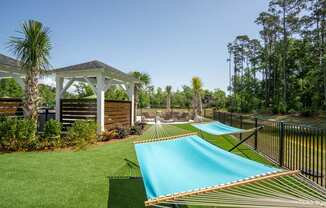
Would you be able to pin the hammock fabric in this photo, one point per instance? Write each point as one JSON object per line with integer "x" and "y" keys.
{"x": 189, "y": 170}
{"x": 217, "y": 128}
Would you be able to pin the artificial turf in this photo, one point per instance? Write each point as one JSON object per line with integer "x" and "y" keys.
{"x": 80, "y": 178}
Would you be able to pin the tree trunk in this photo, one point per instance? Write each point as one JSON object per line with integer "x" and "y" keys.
{"x": 284, "y": 52}
{"x": 194, "y": 105}
{"x": 31, "y": 100}
{"x": 200, "y": 104}
{"x": 322, "y": 53}
{"x": 168, "y": 103}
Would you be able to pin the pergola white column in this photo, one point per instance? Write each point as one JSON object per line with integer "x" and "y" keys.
{"x": 59, "y": 92}
{"x": 131, "y": 95}
{"x": 100, "y": 89}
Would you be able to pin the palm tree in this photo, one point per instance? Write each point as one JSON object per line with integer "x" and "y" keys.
{"x": 197, "y": 105}
{"x": 168, "y": 97}
{"x": 144, "y": 81}
{"x": 32, "y": 47}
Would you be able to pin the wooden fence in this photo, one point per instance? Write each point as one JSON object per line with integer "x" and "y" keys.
{"x": 116, "y": 113}
{"x": 77, "y": 109}
{"x": 11, "y": 107}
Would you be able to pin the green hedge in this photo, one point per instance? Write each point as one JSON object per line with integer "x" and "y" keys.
{"x": 17, "y": 134}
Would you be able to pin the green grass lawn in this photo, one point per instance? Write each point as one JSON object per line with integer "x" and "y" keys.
{"x": 80, "y": 178}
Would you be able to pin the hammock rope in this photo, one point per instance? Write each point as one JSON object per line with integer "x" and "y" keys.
{"x": 283, "y": 191}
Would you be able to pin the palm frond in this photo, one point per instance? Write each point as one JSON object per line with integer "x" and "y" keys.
{"x": 32, "y": 46}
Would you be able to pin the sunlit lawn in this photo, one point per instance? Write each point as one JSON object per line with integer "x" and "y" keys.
{"x": 80, "y": 178}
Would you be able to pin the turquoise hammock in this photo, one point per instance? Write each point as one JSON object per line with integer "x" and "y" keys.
{"x": 218, "y": 128}
{"x": 188, "y": 170}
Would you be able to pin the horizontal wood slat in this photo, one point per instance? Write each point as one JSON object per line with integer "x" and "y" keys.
{"x": 78, "y": 113}
{"x": 116, "y": 113}
{"x": 11, "y": 107}
{"x": 77, "y": 109}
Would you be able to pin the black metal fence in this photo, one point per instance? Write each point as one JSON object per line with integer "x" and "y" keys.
{"x": 44, "y": 114}
{"x": 292, "y": 146}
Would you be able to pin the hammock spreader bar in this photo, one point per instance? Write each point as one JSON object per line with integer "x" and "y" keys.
{"x": 165, "y": 138}
{"x": 245, "y": 139}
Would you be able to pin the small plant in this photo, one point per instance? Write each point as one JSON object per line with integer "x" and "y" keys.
{"x": 108, "y": 135}
{"x": 8, "y": 128}
{"x": 26, "y": 132}
{"x": 52, "y": 135}
{"x": 141, "y": 124}
{"x": 82, "y": 132}
{"x": 136, "y": 129}
{"x": 52, "y": 129}
{"x": 121, "y": 132}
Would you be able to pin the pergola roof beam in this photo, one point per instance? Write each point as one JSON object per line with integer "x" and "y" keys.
{"x": 69, "y": 83}
{"x": 91, "y": 68}
{"x": 91, "y": 84}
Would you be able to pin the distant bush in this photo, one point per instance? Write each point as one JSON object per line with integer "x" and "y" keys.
{"x": 309, "y": 113}
{"x": 82, "y": 132}
{"x": 17, "y": 134}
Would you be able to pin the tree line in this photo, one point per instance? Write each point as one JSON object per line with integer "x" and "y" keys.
{"x": 285, "y": 69}
{"x": 147, "y": 95}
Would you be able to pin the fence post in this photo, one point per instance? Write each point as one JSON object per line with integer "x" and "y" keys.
{"x": 219, "y": 116}
{"x": 240, "y": 126}
{"x": 46, "y": 114}
{"x": 231, "y": 118}
{"x": 256, "y": 133}
{"x": 61, "y": 102}
{"x": 281, "y": 148}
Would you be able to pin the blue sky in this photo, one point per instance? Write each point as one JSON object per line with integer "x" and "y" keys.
{"x": 172, "y": 40}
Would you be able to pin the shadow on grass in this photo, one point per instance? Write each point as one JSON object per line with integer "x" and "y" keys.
{"x": 126, "y": 192}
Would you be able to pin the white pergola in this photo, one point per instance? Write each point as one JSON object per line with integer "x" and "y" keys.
{"x": 100, "y": 77}
{"x": 9, "y": 68}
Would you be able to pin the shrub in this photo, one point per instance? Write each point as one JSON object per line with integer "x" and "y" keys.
{"x": 26, "y": 133}
{"x": 17, "y": 134}
{"x": 121, "y": 132}
{"x": 52, "y": 135}
{"x": 309, "y": 113}
{"x": 137, "y": 129}
{"x": 52, "y": 129}
{"x": 108, "y": 135}
{"x": 82, "y": 132}
{"x": 8, "y": 128}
